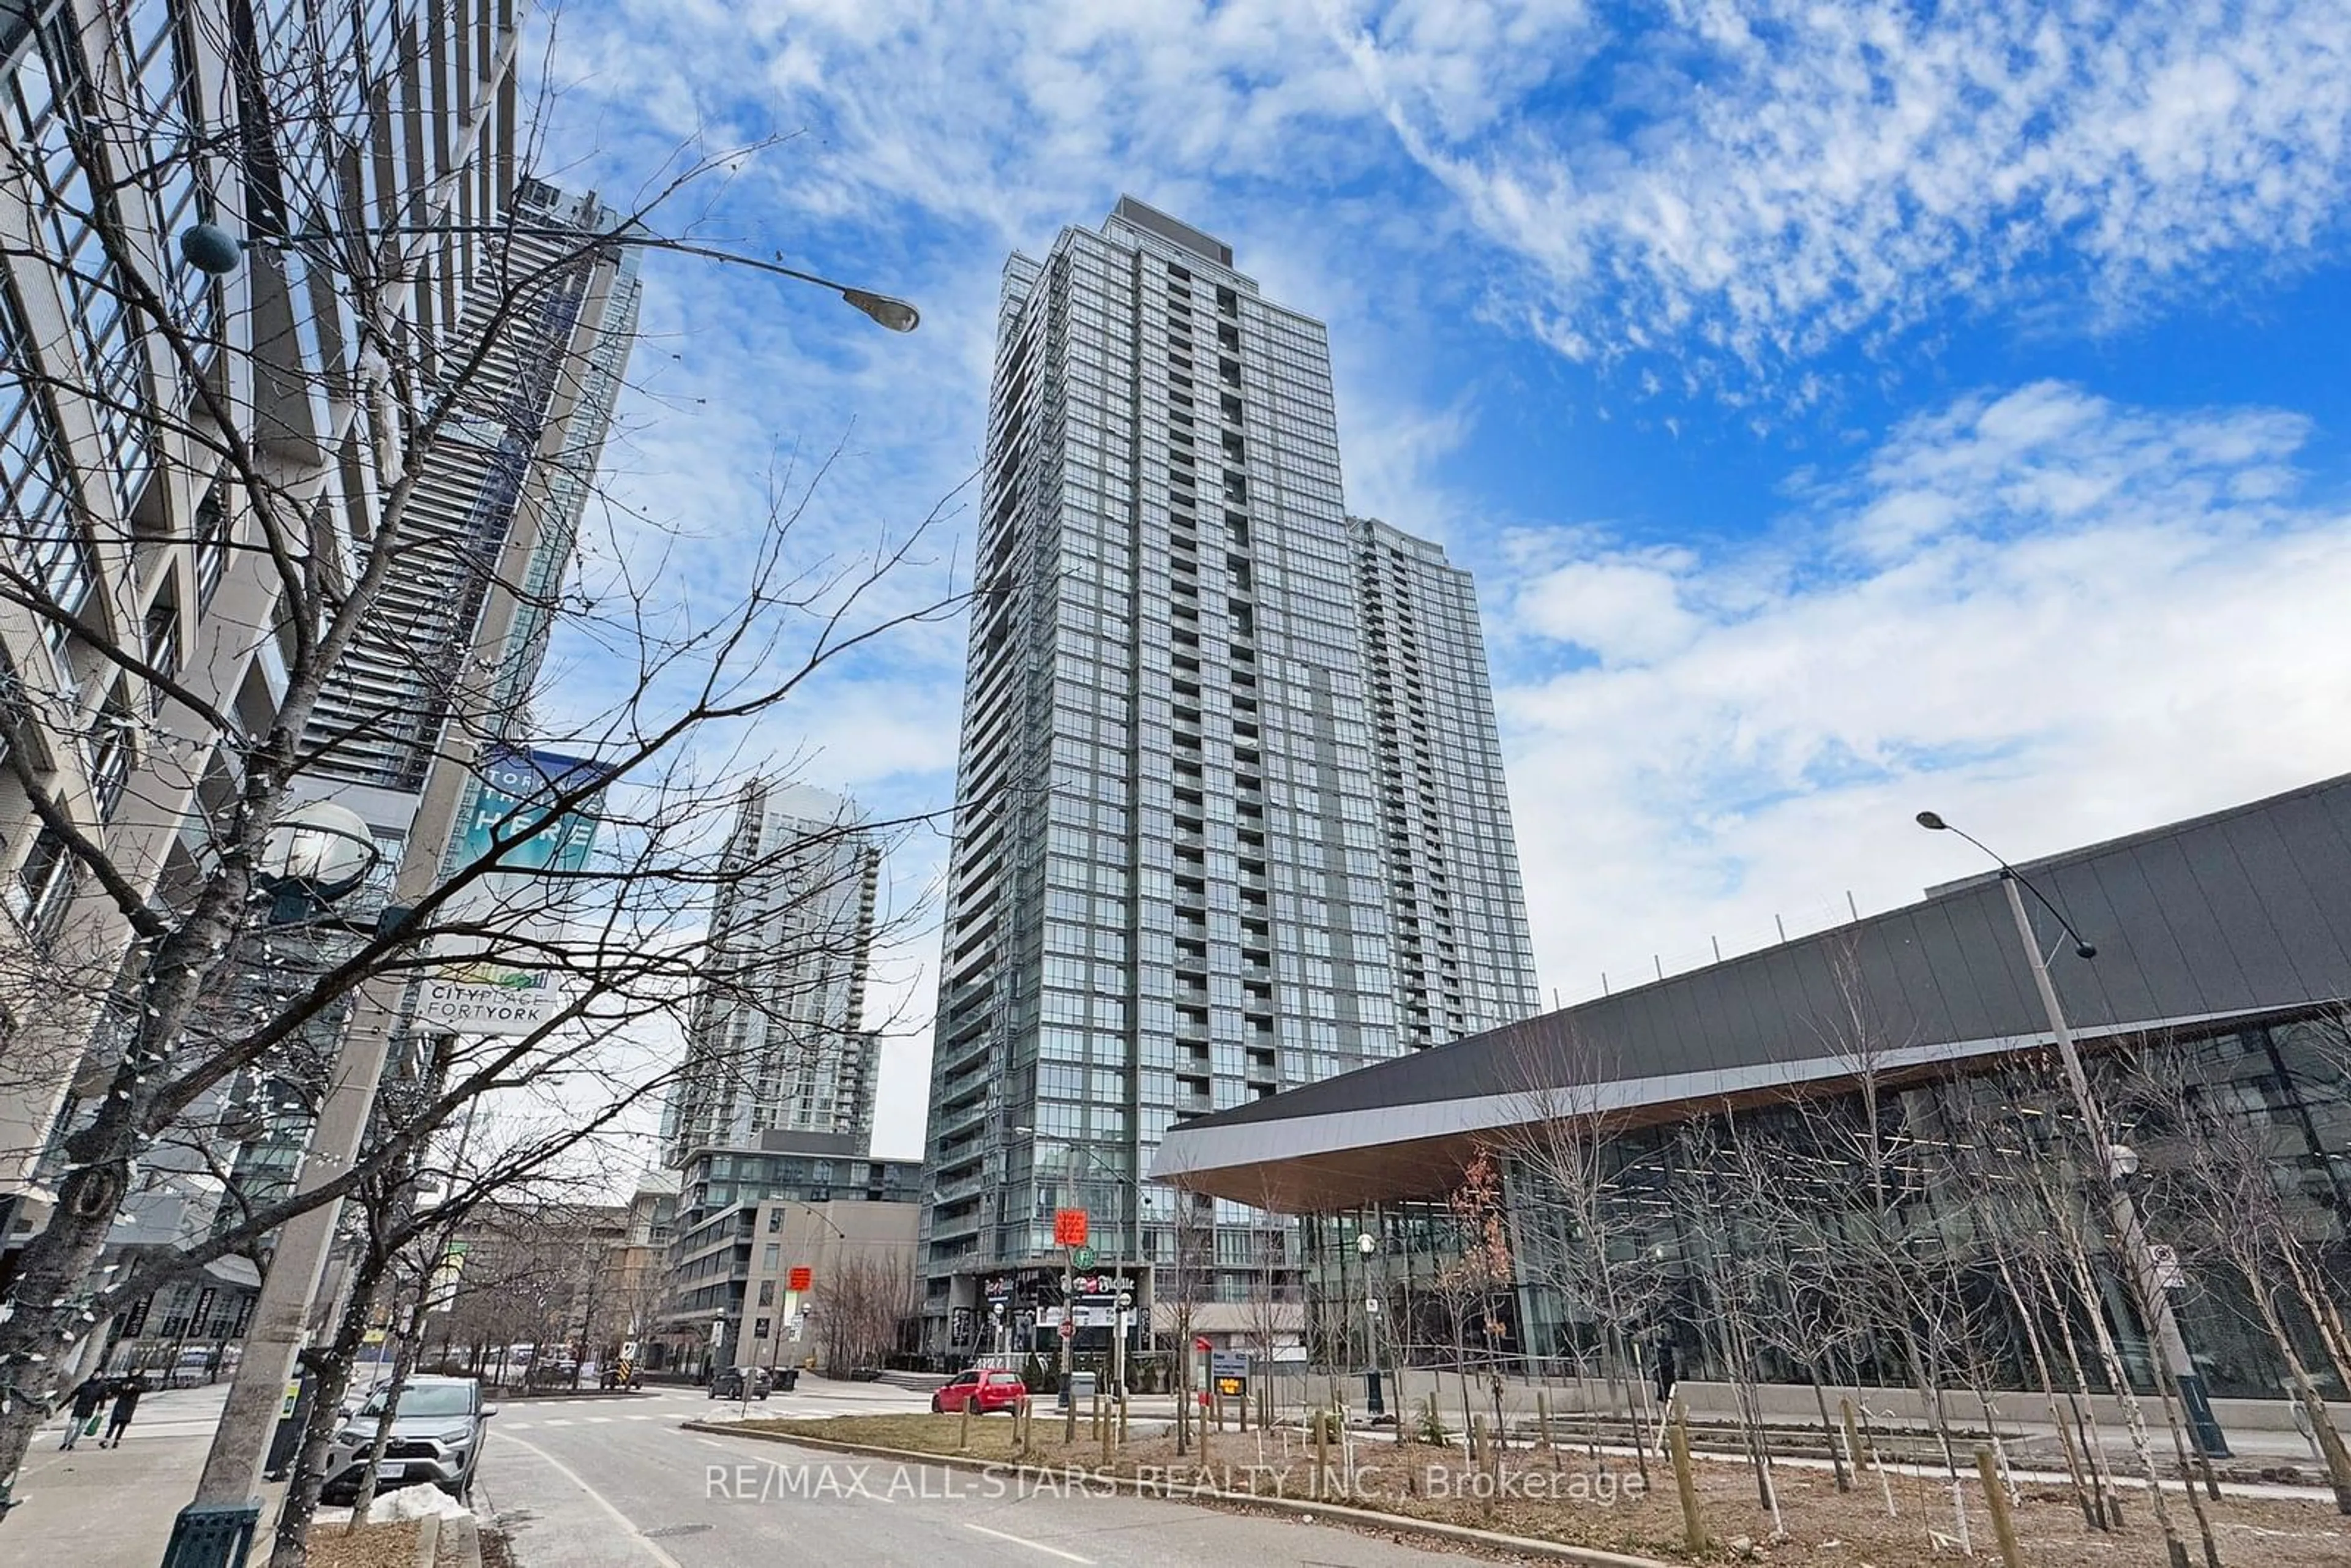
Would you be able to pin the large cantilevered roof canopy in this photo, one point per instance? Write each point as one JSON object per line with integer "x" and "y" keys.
{"x": 2240, "y": 916}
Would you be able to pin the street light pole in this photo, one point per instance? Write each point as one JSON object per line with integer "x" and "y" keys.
{"x": 2122, "y": 1208}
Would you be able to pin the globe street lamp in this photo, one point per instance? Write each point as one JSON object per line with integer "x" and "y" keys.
{"x": 2121, "y": 1207}
{"x": 213, "y": 250}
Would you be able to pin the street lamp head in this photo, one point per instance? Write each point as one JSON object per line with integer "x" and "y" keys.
{"x": 1932, "y": 822}
{"x": 211, "y": 249}
{"x": 1367, "y": 1244}
{"x": 894, "y": 314}
{"x": 322, "y": 847}
{"x": 2085, "y": 950}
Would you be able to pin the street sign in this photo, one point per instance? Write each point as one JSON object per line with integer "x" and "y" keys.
{"x": 1068, "y": 1328}
{"x": 1082, "y": 1257}
{"x": 1229, "y": 1364}
{"x": 1372, "y": 1305}
{"x": 1201, "y": 1344}
{"x": 1232, "y": 1387}
{"x": 799, "y": 1278}
{"x": 1068, "y": 1227}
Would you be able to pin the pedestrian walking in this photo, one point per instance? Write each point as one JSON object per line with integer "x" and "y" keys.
{"x": 1667, "y": 1379}
{"x": 212, "y": 1366}
{"x": 126, "y": 1405}
{"x": 86, "y": 1401}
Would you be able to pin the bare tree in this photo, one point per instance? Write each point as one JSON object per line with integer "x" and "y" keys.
{"x": 400, "y": 1224}
{"x": 1471, "y": 1283}
{"x": 2224, "y": 1190}
{"x": 1576, "y": 1235}
{"x": 860, "y": 1308}
{"x": 209, "y": 991}
{"x": 1182, "y": 1284}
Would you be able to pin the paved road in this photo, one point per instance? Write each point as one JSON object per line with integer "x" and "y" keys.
{"x": 618, "y": 1486}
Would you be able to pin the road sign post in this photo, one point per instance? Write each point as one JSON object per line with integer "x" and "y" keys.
{"x": 1069, "y": 1233}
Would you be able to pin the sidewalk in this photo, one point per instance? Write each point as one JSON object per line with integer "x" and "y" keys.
{"x": 114, "y": 1508}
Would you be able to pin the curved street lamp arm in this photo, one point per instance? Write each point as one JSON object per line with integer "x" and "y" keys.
{"x": 213, "y": 249}
{"x": 2082, "y": 945}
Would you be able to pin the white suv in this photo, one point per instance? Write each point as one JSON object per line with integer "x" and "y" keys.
{"x": 436, "y": 1435}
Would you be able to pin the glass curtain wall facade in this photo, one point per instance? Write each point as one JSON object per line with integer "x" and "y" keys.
{"x": 1167, "y": 894}
{"x": 519, "y": 464}
{"x": 775, "y": 1037}
{"x": 125, "y": 123}
{"x": 1676, "y": 1206}
{"x": 1465, "y": 962}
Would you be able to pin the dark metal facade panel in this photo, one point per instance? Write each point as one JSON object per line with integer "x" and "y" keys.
{"x": 2206, "y": 966}
{"x": 2118, "y": 983}
{"x": 2242, "y": 911}
{"x": 2311, "y": 840}
{"x": 2239, "y": 913}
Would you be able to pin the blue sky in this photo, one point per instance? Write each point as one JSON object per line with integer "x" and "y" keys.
{"x": 1846, "y": 408}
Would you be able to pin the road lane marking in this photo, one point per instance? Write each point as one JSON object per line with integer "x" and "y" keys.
{"x": 1024, "y": 1541}
{"x": 708, "y": 1444}
{"x": 628, "y": 1526}
{"x": 557, "y": 1421}
{"x": 599, "y": 1420}
{"x": 514, "y": 1426}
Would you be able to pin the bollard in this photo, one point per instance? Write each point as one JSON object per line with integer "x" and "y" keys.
{"x": 1542, "y": 1418}
{"x": 1322, "y": 1457}
{"x": 2012, "y": 1554}
{"x": 1103, "y": 1426}
{"x": 963, "y": 1436}
{"x": 1693, "y": 1521}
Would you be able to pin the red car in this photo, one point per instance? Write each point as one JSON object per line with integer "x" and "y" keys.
{"x": 982, "y": 1390}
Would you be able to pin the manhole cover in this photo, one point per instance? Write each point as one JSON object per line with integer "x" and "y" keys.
{"x": 671, "y": 1531}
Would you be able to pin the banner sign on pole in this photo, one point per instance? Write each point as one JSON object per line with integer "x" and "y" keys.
{"x": 481, "y": 994}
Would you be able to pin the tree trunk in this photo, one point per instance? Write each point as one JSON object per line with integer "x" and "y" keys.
{"x": 2085, "y": 1414}
{"x": 2322, "y": 1424}
{"x": 2093, "y": 1511}
{"x": 2189, "y": 1453}
{"x": 2322, "y": 1312}
{"x": 48, "y": 1318}
{"x": 330, "y": 1379}
{"x": 1828, "y": 1431}
{"x": 403, "y": 1364}
{"x": 2134, "y": 1417}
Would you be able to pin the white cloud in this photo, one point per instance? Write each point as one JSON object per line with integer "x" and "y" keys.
{"x": 1759, "y": 180}
{"x": 2093, "y": 620}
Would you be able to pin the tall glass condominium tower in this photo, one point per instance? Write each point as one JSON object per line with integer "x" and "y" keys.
{"x": 1171, "y": 890}
{"x": 775, "y": 1037}
{"x": 1464, "y": 960}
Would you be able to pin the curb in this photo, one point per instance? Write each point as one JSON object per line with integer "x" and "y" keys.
{"x": 464, "y": 1543}
{"x": 1363, "y": 1517}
